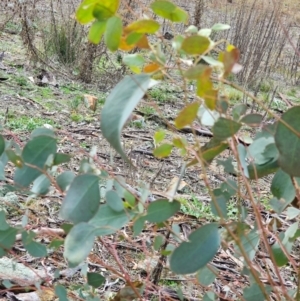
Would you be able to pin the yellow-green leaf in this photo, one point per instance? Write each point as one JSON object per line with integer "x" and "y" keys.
{"x": 113, "y": 33}
{"x": 84, "y": 13}
{"x": 159, "y": 136}
{"x": 187, "y": 115}
{"x": 96, "y": 31}
{"x": 170, "y": 11}
{"x": 143, "y": 26}
{"x": 105, "y": 9}
{"x": 195, "y": 45}
{"x": 163, "y": 150}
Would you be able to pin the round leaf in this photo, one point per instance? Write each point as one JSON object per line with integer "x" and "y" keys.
{"x": 160, "y": 210}
{"x": 82, "y": 199}
{"x": 195, "y": 45}
{"x": 193, "y": 255}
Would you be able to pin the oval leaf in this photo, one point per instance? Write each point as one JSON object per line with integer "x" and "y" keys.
{"x": 195, "y": 45}
{"x": 119, "y": 106}
{"x": 163, "y": 150}
{"x": 107, "y": 221}
{"x": 36, "y": 153}
{"x": 187, "y": 115}
{"x": 160, "y": 210}
{"x": 96, "y": 31}
{"x": 252, "y": 119}
{"x": 225, "y": 128}
{"x": 113, "y": 33}
{"x": 114, "y": 201}
{"x": 82, "y": 199}
{"x": 287, "y": 140}
{"x": 79, "y": 243}
{"x": 193, "y": 255}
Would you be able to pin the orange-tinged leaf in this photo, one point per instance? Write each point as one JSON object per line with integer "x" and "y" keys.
{"x": 163, "y": 150}
{"x": 230, "y": 59}
{"x": 151, "y": 68}
{"x": 187, "y": 115}
{"x": 142, "y": 26}
{"x": 124, "y": 46}
{"x": 205, "y": 89}
{"x": 195, "y": 45}
{"x": 133, "y": 38}
{"x": 143, "y": 43}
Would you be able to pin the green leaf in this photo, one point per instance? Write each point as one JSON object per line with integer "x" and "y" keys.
{"x": 36, "y": 153}
{"x": 8, "y": 238}
{"x": 207, "y": 276}
{"x": 195, "y": 45}
{"x": 113, "y": 33}
{"x": 61, "y": 293}
{"x": 225, "y": 128}
{"x": 107, "y": 221}
{"x": 187, "y": 115}
{"x": 3, "y": 224}
{"x": 114, "y": 201}
{"x": 2, "y": 145}
{"x": 219, "y": 27}
{"x": 95, "y": 279}
{"x": 34, "y": 248}
{"x": 65, "y": 179}
{"x": 82, "y": 199}
{"x": 42, "y": 132}
{"x": 254, "y": 293}
{"x": 163, "y": 150}
{"x": 168, "y": 10}
{"x": 119, "y": 106}
{"x": 60, "y": 158}
{"x": 242, "y": 152}
{"x": 252, "y": 119}
{"x": 161, "y": 210}
{"x": 238, "y": 111}
{"x": 138, "y": 225}
{"x": 41, "y": 185}
{"x": 96, "y": 31}
{"x": 228, "y": 165}
{"x": 186, "y": 259}
{"x": 79, "y": 243}
{"x": 209, "y": 296}
{"x": 257, "y": 171}
{"x": 287, "y": 140}
{"x": 249, "y": 242}
{"x": 283, "y": 189}
{"x": 14, "y": 158}
{"x": 219, "y": 205}
{"x": 158, "y": 241}
{"x": 135, "y": 59}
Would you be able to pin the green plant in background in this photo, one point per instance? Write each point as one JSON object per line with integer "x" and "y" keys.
{"x": 148, "y": 110}
{"x": 25, "y": 123}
